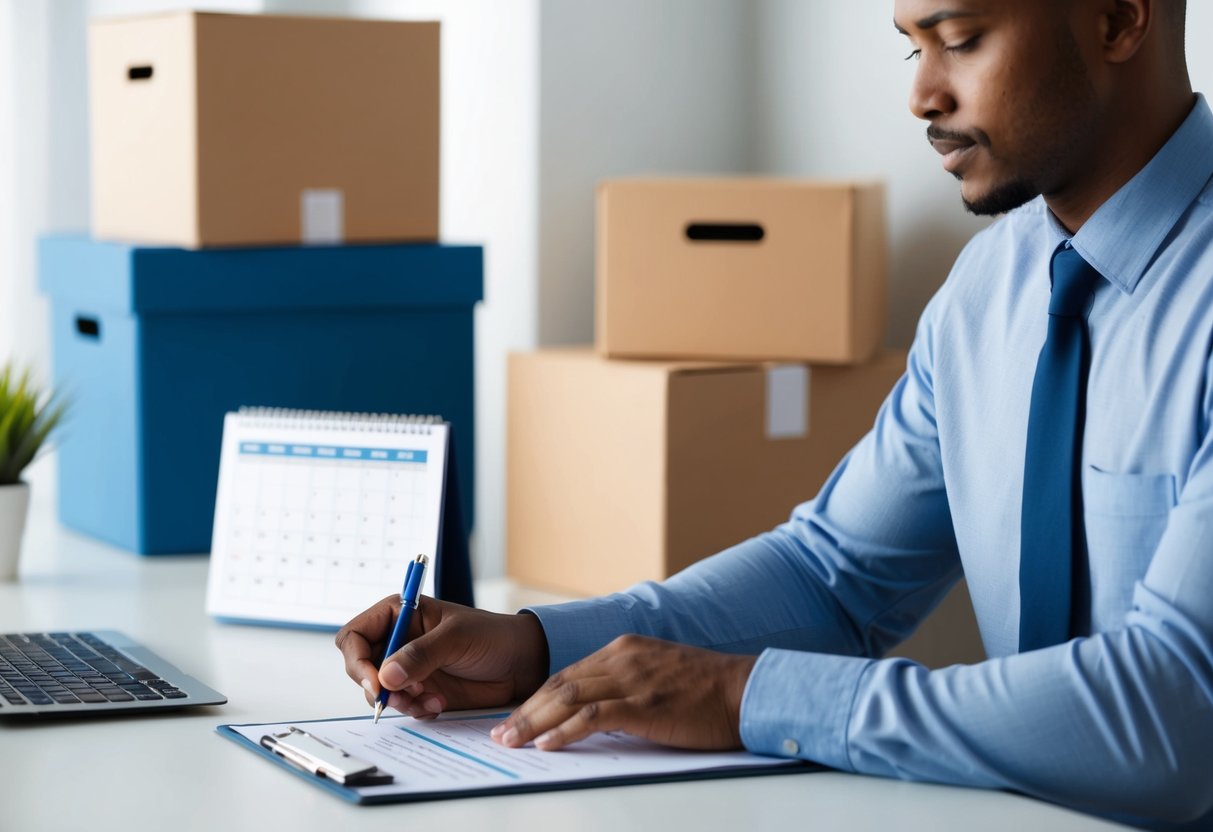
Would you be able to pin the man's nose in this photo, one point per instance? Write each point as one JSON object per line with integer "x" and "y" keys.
{"x": 930, "y": 94}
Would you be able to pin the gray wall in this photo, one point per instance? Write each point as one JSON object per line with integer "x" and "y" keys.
{"x": 630, "y": 87}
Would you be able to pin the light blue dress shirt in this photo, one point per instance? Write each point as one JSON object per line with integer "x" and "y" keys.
{"x": 1119, "y": 721}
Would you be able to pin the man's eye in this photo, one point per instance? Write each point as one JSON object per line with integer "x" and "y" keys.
{"x": 916, "y": 54}
{"x": 968, "y": 46}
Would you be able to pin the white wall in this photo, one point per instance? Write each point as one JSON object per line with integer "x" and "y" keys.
{"x": 8, "y": 186}
{"x": 43, "y": 163}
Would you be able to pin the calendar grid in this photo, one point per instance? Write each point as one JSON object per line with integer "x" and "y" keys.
{"x": 315, "y": 529}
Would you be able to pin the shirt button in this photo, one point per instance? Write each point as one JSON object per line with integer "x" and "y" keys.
{"x": 791, "y": 747}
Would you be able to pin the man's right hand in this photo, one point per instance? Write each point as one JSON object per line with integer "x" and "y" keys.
{"x": 456, "y": 657}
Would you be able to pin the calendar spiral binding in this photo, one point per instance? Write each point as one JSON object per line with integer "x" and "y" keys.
{"x": 285, "y": 417}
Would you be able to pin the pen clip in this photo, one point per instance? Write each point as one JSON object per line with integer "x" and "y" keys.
{"x": 323, "y": 759}
{"x": 414, "y": 579}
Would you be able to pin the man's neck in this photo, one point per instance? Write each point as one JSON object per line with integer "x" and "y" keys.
{"x": 1144, "y": 131}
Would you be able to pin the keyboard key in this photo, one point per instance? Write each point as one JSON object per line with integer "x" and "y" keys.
{"x": 118, "y": 696}
{"x": 105, "y": 666}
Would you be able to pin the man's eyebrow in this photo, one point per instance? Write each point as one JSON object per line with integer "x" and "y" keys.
{"x": 931, "y": 21}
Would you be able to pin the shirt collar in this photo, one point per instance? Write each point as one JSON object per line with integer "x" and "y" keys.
{"x": 1123, "y": 235}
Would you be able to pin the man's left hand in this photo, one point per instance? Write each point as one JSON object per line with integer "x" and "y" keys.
{"x": 669, "y": 693}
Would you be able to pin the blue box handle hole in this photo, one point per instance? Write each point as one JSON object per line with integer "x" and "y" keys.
{"x": 89, "y": 328}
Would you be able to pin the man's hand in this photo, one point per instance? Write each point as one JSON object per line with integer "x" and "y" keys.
{"x": 669, "y": 693}
{"x": 456, "y": 657}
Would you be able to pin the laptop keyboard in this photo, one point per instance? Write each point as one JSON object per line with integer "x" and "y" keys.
{"x": 72, "y": 668}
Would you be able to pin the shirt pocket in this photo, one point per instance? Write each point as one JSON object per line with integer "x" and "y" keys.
{"x": 1125, "y": 516}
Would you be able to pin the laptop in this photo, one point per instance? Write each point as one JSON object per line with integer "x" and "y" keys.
{"x": 97, "y": 672}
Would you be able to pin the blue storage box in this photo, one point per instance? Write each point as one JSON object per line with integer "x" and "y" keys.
{"x": 153, "y": 345}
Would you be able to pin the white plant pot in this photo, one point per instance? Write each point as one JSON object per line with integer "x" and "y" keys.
{"x": 14, "y": 505}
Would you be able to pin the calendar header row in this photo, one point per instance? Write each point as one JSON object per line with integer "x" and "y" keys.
{"x": 332, "y": 452}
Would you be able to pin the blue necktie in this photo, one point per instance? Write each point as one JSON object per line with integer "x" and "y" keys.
{"x": 1052, "y": 541}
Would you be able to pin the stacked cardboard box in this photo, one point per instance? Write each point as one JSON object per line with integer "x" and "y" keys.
{"x": 232, "y": 129}
{"x": 221, "y": 143}
{"x": 738, "y": 360}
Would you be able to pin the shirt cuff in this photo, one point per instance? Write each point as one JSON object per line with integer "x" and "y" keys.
{"x": 798, "y": 704}
{"x": 576, "y": 629}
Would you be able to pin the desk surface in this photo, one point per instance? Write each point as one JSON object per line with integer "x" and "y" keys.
{"x": 173, "y": 771}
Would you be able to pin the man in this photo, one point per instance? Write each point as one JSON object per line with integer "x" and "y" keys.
{"x": 1052, "y": 439}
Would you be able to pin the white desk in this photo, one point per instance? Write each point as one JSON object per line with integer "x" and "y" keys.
{"x": 173, "y": 771}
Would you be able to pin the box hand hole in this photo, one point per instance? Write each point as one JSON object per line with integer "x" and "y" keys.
{"x": 724, "y": 232}
{"x": 88, "y": 327}
{"x": 139, "y": 73}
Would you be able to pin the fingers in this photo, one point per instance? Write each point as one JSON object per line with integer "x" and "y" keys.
{"x": 563, "y": 698}
{"x": 591, "y": 718}
{"x": 413, "y": 663}
{"x": 424, "y": 705}
{"x": 361, "y": 640}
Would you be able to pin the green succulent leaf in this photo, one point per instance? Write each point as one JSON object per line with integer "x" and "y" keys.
{"x": 28, "y": 416}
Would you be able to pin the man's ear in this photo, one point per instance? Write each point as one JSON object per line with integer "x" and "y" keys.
{"x": 1125, "y": 27}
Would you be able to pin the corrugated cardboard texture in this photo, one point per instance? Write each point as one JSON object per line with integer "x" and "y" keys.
{"x": 254, "y": 112}
{"x": 812, "y": 289}
{"x": 622, "y": 471}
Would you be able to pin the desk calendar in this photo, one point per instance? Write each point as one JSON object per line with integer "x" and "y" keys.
{"x": 318, "y": 514}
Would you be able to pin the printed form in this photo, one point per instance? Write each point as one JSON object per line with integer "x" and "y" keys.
{"x": 456, "y": 754}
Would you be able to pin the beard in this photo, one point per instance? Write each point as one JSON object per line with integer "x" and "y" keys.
{"x": 1003, "y": 198}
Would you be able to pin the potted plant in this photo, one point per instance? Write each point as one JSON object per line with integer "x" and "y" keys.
{"x": 27, "y": 417}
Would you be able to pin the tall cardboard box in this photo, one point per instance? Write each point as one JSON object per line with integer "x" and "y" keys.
{"x": 228, "y": 129}
{"x": 740, "y": 269}
{"x": 623, "y": 471}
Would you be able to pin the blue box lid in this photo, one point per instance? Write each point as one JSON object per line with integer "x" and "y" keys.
{"x": 150, "y": 279}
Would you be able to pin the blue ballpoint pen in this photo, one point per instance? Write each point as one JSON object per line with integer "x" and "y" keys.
{"x": 410, "y": 594}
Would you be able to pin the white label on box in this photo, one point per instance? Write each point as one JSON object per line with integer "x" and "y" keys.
{"x": 787, "y": 401}
{"x": 323, "y": 213}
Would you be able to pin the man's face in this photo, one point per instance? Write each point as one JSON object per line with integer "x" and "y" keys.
{"x": 1007, "y": 93}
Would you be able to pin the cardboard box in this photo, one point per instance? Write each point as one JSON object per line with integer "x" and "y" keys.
{"x": 741, "y": 269}
{"x": 624, "y": 471}
{"x": 154, "y": 345}
{"x": 227, "y": 129}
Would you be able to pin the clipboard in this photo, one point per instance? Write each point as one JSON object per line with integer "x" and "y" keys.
{"x": 350, "y": 774}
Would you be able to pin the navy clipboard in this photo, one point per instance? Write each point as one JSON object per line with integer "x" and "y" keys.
{"x": 381, "y": 793}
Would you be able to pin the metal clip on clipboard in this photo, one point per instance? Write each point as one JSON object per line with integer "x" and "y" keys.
{"x": 323, "y": 759}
